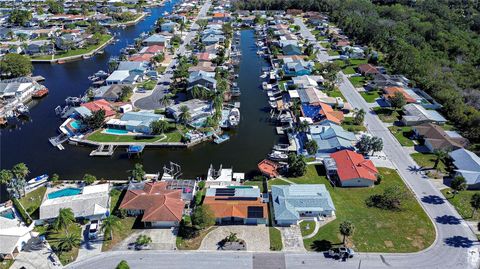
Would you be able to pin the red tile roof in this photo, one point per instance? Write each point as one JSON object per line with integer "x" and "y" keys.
{"x": 330, "y": 114}
{"x": 390, "y": 92}
{"x": 224, "y": 208}
{"x": 351, "y": 165}
{"x": 100, "y": 104}
{"x": 157, "y": 203}
{"x": 155, "y": 49}
{"x": 146, "y": 57}
{"x": 366, "y": 69}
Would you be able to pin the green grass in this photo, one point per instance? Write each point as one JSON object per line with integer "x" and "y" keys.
{"x": 161, "y": 69}
{"x": 88, "y": 49}
{"x": 370, "y": 96}
{"x": 387, "y": 114}
{"x": 461, "y": 202}
{"x": 52, "y": 237}
{"x": 331, "y": 52}
{"x": 349, "y": 70}
{"x": 336, "y": 93}
{"x": 276, "y": 181}
{"x": 98, "y": 136}
{"x": 315, "y": 175}
{"x": 357, "y": 81}
{"x": 402, "y": 134}
{"x": 148, "y": 85}
{"x": 32, "y": 201}
{"x": 275, "y": 239}
{"x": 307, "y": 227}
{"x": 5, "y": 264}
{"x": 259, "y": 184}
{"x": 427, "y": 160}
{"x": 348, "y": 125}
{"x": 376, "y": 230}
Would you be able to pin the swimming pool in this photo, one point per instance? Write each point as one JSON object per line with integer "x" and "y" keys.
{"x": 64, "y": 192}
{"x": 115, "y": 131}
{"x": 75, "y": 124}
{"x": 8, "y": 214}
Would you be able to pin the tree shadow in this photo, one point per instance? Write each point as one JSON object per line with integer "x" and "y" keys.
{"x": 447, "y": 219}
{"x": 321, "y": 245}
{"x": 433, "y": 199}
{"x": 458, "y": 242}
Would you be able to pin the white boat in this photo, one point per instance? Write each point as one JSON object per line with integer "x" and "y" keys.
{"x": 23, "y": 110}
{"x": 278, "y": 156}
{"x": 38, "y": 180}
{"x": 267, "y": 86}
{"x": 234, "y": 117}
{"x": 101, "y": 73}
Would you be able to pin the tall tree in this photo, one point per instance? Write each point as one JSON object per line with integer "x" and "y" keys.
{"x": 65, "y": 218}
{"x": 137, "y": 172}
{"x": 109, "y": 223}
{"x": 440, "y": 155}
{"x": 203, "y": 217}
{"x": 68, "y": 241}
{"x": 89, "y": 179}
{"x": 185, "y": 115}
{"x": 123, "y": 265}
{"x": 458, "y": 184}
{"x": 15, "y": 65}
{"x": 346, "y": 230}
{"x": 359, "y": 117}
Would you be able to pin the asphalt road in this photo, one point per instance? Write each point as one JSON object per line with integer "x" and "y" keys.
{"x": 152, "y": 101}
{"x": 455, "y": 246}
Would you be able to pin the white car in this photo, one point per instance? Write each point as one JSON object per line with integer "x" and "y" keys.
{"x": 93, "y": 229}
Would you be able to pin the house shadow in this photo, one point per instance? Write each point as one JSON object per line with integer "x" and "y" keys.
{"x": 458, "y": 242}
{"x": 448, "y": 219}
{"x": 433, "y": 199}
{"x": 382, "y": 103}
{"x": 421, "y": 148}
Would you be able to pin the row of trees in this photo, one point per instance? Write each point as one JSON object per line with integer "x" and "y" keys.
{"x": 15, "y": 179}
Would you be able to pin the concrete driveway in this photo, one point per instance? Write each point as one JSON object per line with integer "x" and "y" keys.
{"x": 88, "y": 247}
{"x": 162, "y": 239}
{"x": 257, "y": 237}
{"x": 292, "y": 238}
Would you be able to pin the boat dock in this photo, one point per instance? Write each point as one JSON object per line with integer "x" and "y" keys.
{"x": 38, "y": 78}
{"x": 103, "y": 150}
{"x": 135, "y": 150}
{"x": 57, "y": 141}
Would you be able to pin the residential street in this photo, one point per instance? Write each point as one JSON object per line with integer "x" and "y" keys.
{"x": 152, "y": 100}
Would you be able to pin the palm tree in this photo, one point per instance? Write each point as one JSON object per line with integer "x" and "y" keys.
{"x": 109, "y": 223}
{"x": 359, "y": 117}
{"x": 165, "y": 100}
{"x": 20, "y": 171}
{"x": 441, "y": 155}
{"x": 68, "y": 241}
{"x": 143, "y": 240}
{"x": 184, "y": 116}
{"x": 458, "y": 184}
{"x": 475, "y": 203}
{"x": 162, "y": 126}
{"x": 302, "y": 126}
{"x": 5, "y": 176}
{"x": 64, "y": 219}
{"x": 346, "y": 229}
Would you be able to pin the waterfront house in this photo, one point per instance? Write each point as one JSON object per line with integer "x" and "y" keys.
{"x": 291, "y": 49}
{"x": 156, "y": 39}
{"x": 330, "y": 138}
{"x": 137, "y": 122}
{"x": 133, "y": 67}
{"x": 415, "y": 114}
{"x": 157, "y": 205}
{"x": 204, "y": 79}
{"x": 89, "y": 202}
{"x": 20, "y": 88}
{"x": 312, "y": 96}
{"x": 237, "y": 205}
{"x": 293, "y": 68}
{"x": 347, "y": 168}
{"x": 322, "y": 112}
{"x": 123, "y": 77}
{"x": 436, "y": 138}
{"x": 198, "y": 109}
{"x": 168, "y": 26}
{"x": 14, "y": 234}
{"x": 111, "y": 93}
{"x": 292, "y": 203}
{"x": 467, "y": 165}
{"x": 223, "y": 177}
{"x": 154, "y": 49}
{"x": 212, "y": 39}
{"x": 70, "y": 41}
{"x": 307, "y": 81}
{"x": 101, "y": 104}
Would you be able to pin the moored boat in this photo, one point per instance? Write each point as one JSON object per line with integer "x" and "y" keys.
{"x": 40, "y": 93}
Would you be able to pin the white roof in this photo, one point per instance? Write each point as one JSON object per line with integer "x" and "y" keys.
{"x": 11, "y": 230}
{"x": 95, "y": 188}
{"x": 119, "y": 75}
{"x": 293, "y": 94}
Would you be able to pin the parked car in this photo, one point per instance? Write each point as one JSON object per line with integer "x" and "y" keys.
{"x": 341, "y": 252}
{"x": 142, "y": 247}
{"x": 93, "y": 229}
{"x": 141, "y": 91}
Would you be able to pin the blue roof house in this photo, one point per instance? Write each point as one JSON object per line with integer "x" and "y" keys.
{"x": 330, "y": 138}
{"x": 467, "y": 165}
{"x": 156, "y": 39}
{"x": 169, "y": 26}
{"x": 204, "y": 79}
{"x": 292, "y": 203}
{"x": 293, "y": 68}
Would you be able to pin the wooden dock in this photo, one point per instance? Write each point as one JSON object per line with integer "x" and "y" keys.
{"x": 38, "y": 78}
{"x": 103, "y": 150}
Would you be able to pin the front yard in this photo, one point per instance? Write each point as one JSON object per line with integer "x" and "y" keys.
{"x": 388, "y": 115}
{"x": 427, "y": 160}
{"x": 348, "y": 125}
{"x": 357, "y": 81}
{"x": 402, "y": 134}
{"x": 53, "y": 237}
{"x": 192, "y": 239}
{"x": 370, "y": 96}
{"x": 377, "y": 230}
{"x": 275, "y": 239}
{"x": 461, "y": 202}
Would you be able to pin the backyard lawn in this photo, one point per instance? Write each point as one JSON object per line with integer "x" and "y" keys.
{"x": 461, "y": 202}
{"x": 370, "y": 96}
{"x": 335, "y": 93}
{"x": 315, "y": 175}
{"x": 98, "y": 136}
{"x": 259, "y": 184}
{"x": 348, "y": 125}
{"x": 32, "y": 200}
{"x": 275, "y": 239}
{"x": 88, "y": 49}
{"x": 427, "y": 160}
{"x": 402, "y": 134}
{"x": 276, "y": 181}
{"x": 387, "y": 114}
{"x": 376, "y": 230}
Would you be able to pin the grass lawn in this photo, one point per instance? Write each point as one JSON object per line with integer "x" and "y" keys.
{"x": 336, "y": 93}
{"x": 195, "y": 242}
{"x": 315, "y": 175}
{"x": 259, "y": 184}
{"x": 276, "y": 181}
{"x": 387, "y": 114}
{"x": 32, "y": 200}
{"x": 52, "y": 237}
{"x": 307, "y": 227}
{"x": 103, "y": 39}
{"x": 98, "y": 136}
{"x": 5, "y": 264}
{"x": 402, "y": 134}
{"x": 427, "y": 160}
{"x": 376, "y": 230}
{"x": 349, "y": 70}
{"x": 275, "y": 239}
{"x": 370, "y": 96}
{"x": 461, "y": 202}
{"x": 357, "y": 81}
{"x": 126, "y": 224}
{"x": 348, "y": 125}
{"x": 331, "y": 52}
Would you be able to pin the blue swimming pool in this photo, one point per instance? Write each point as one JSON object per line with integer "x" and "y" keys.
{"x": 8, "y": 214}
{"x": 64, "y": 192}
{"x": 116, "y": 131}
{"x": 75, "y": 124}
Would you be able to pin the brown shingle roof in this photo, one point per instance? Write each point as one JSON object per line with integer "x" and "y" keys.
{"x": 157, "y": 203}
{"x": 438, "y": 138}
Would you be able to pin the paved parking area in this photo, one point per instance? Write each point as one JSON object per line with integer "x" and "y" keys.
{"x": 257, "y": 237}
{"x": 292, "y": 238}
{"x": 162, "y": 239}
{"x": 89, "y": 248}
{"x": 38, "y": 259}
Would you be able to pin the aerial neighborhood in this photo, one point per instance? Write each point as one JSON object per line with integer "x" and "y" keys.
{"x": 229, "y": 126}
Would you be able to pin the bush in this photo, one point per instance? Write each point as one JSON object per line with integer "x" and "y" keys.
{"x": 201, "y": 184}
{"x": 391, "y": 199}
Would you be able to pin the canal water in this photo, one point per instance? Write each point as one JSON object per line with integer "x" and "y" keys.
{"x": 249, "y": 143}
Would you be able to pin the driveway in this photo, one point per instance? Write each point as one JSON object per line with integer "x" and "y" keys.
{"x": 257, "y": 237}
{"x": 88, "y": 247}
{"x": 292, "y": 238}
{"x": 162, "y": 239}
